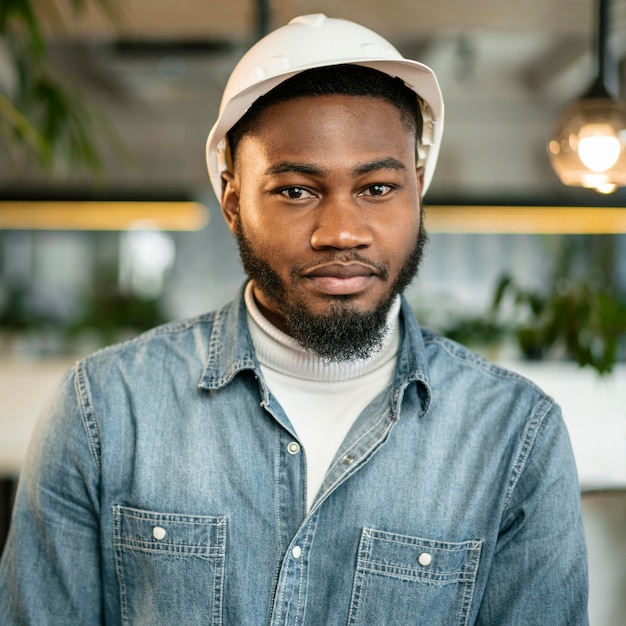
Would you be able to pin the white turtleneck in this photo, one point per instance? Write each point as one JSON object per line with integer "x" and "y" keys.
{"x": 322, "y": 400}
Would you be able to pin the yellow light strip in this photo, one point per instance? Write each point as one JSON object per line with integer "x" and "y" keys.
{"x": 189, "y": 216}
{"x": 543, "y": 220}
{"x": 60, "y": 215}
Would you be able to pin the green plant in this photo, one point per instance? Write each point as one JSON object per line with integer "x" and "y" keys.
{"x": 38, "y": 110}
{"x": 580, "y": 315}
{"x": 479, "y": 332}
{"x": 109, "y": 314}
{"x": 579, "y": 319}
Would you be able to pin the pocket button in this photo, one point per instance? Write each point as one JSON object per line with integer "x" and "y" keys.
{"x": 425, "y": 559}
{"x": 158, "y": 532}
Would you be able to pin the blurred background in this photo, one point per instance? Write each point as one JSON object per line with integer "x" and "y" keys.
{"x": 108, "y": 224}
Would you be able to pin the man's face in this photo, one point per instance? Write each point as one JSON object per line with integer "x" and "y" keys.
{"x": 325, "y": 203}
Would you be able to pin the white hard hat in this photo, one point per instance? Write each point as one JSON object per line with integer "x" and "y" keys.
{"x": 312, "y": 41}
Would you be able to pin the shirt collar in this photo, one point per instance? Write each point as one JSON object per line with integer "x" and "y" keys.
{"x": 412, "y": 365}
{"x": 231, "y": 351}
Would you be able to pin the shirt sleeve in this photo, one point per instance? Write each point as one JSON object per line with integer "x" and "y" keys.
{"x": 50, "y": 568}
{"x": 539, "y": 573}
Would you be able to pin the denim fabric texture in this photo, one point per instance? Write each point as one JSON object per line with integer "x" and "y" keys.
{"x": 160, "y": 488}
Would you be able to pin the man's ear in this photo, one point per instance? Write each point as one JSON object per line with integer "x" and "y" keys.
{"x": 419, "y": 172}
{"x": 230, "y": 200}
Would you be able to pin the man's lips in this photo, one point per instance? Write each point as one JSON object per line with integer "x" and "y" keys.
{"x": 340, "y": 279}
{"x": 341, "y": 270}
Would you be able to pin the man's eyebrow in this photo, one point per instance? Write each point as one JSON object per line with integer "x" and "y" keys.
{"x": 388, "y": 163}
{"x": 286, "y": 167}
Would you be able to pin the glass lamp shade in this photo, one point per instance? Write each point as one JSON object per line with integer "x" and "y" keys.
{"x": 588, "y": 146}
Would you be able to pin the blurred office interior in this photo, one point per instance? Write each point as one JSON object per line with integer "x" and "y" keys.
{"x": 526, "y": 270}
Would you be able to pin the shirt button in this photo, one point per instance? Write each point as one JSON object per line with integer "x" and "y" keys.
{"x": 293, "y": 447}
{"x": 296, "y": 553}
{"x": 159, "y": 533}
{"x": 425, "y": 559}
{"x": 348, "y": 459}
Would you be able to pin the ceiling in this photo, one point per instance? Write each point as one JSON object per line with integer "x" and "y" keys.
{"x": 397, "y": 19}
{"x": 506, "y": 68}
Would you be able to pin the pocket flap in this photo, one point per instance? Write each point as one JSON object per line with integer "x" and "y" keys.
{"x": 414, "y": 557}
{"x": 174, "y": 533}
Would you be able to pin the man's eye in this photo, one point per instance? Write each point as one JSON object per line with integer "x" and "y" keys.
{"x": 377, "y": 190}
{"x": 296, "y": 193}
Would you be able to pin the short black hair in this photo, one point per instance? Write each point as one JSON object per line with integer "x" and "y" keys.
{"x": 348, "y": 80}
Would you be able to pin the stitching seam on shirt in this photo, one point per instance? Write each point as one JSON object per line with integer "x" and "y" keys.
{"x": 88, "y": 414}
{"x": 528, "y": 441}
{"x": 354, "y": 466}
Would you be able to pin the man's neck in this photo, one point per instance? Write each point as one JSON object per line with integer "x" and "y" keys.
{"x": 280, "y": 352}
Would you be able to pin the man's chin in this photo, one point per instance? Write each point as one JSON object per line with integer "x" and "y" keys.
{"x": 342, "y": 333}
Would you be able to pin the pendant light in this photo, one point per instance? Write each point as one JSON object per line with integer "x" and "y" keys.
{"x": 588, "y": 145}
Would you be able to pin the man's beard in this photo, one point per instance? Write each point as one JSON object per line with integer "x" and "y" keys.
{"x": 344, "y": 333}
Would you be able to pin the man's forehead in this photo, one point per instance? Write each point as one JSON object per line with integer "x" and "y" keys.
{"x": 326, "y": 99}
{"x": 315, "y": 129}
{"x": 377, "y": 108}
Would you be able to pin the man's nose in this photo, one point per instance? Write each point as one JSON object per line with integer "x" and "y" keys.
{"x": 341, "y": 223}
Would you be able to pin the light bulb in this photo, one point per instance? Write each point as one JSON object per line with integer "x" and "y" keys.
{"x": 605, "y": 188}
{"x": 588, "y": 144}
{"x": 598, "y": 147}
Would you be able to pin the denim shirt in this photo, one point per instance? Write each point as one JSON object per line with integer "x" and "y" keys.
{"x": 164, "y": 486}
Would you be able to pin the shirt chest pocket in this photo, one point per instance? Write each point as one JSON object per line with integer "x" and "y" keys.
{"x": 410, "y": 580}
{"x": 168, "y": 562}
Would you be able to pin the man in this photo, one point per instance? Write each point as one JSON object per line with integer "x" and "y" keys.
{"x": 307, "y": 454}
